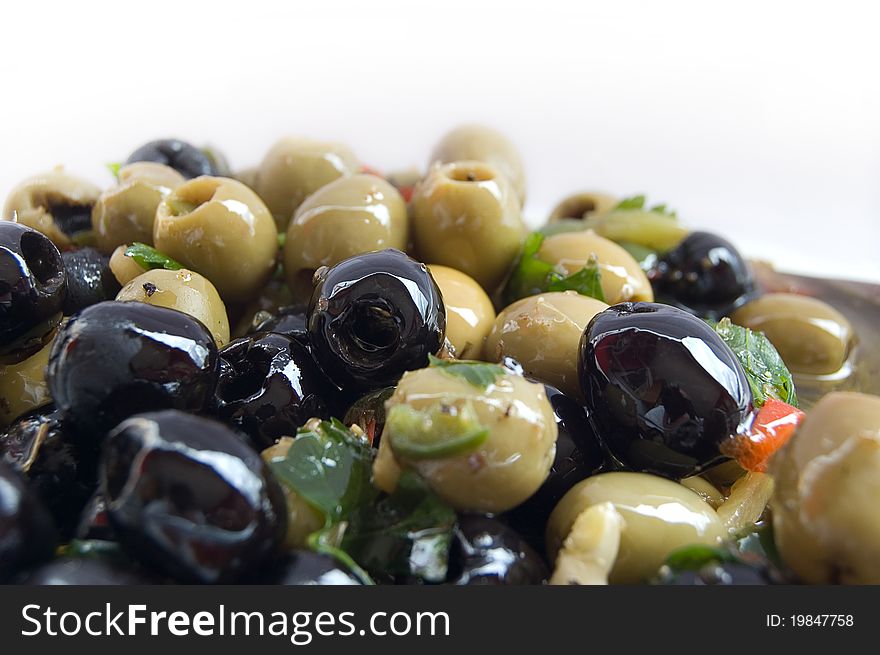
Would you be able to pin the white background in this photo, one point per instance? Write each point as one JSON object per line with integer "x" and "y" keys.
{"x": 760, "y": 120}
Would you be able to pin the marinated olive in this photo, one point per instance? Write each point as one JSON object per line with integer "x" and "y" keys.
{"x": 621, "y": 276}
{"x": 183, "y": 157}
{"x": 347, "y": 217}
{"x": 824, "y": 506}
{"x": 810, "y": 335}
{"x": 302, "y": 518}
{"x": 185, "y": 494}
{"x": 543, "y": 333}
{"x": 125, "y": 213}
{"x": 466, "y": 216}
{"x": 89, "y": 279}
{"x": 469, "y": 312}
{"x": 269, "y": 386}
{"x": 27, "y": 534}
{"x": 185, "y": 291}
{"x": 482, "y": 449}
{"x": 480, "y": 143}
{"x": 32, "y": 289}
{"x": 704, "y": 275}
{"x": 663, "y": 388}
{"x": 116, "y": 359}
{"x": 306, "y": 567}
{"x": 368, "y": 413}
{"x": 221, "y": 229}
{"x": 659, "y": 516}
{"x": 582, "y": 206}
{"x": 374, "y": 316}
{"x": 58, "y": 470}
{"x": 485, "y": 551}
{"x": 91, "y": 571}
{"x": 295, "y": 168}
{"x": 55, "y": 203}
{"x": 124, "y": 268}
{"x": 23, "y": 385}
{"x": 290, "y": 320}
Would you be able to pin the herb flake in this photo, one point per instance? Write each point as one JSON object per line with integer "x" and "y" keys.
{"x": 149, "y": 258}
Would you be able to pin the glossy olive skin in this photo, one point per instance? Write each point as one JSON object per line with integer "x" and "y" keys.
{"x": 33, "y": 283}
{"x": 89, "y": 279}
{"x": 485, "y": 551}
{"x": 186, "y": 495}
{"x": 373, "y": 317}
{"x": 269, "y": 386}
{"x": 705, "y": 275}
{"x": 116, "y": 359}
{"x": 183, "y": 157}
{"x": 27, "y": 533}
{"x": 91, "y": 571}
{"x": 469, "y": 311}
{"x": 664, "y": 389}
{"x": 58, "y": 469}
{"x": 290, "y": 320}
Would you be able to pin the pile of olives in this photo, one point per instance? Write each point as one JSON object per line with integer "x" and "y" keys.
{"x": 187, "y": 354}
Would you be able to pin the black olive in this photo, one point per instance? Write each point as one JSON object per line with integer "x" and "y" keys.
{"x": 368, "y": 413}
{"x": 579, "y": 454}
{"x": 305, "y": 567}
{"x": 269, "y": 386}
{"x": 89, "y": 279}
{"x": 59, "y": 471}
{"x": 183, "y": 157}
{"x": 704, "y": 275}
{"x": 290, "y": 320}
{"x": 662, "y": 387}
{"x": 187, "y": 496}
{"x": 485, "y": 551}
{"x": 374, "y": 316}
{"x": 115, "y": 359}
{"x": 97, "y": 571}
{"x": 718, "y": 573}
{"x": 32, "y": 289}
{"x": 27, "y": 533}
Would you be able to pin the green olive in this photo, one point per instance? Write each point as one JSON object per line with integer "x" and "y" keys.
{"x": 125, "y": 213}
{"x": 23, "y": 386}
{"x": 825, "y": 519}
{"x": 480, "y": 143}
{"x": 302, "y": 518}
{"x": 543, "y": 334}
{"x": 247, "y": 176}
{"x": 220, "y": 228}
{"x": 295, "y": 168}
{"x": 622, "y": 278}
{"x": 347, "y": 217}
{"x": 44, "y": 202}
{"x": 466, "y": 216}
{"x": 582, "y": 206}
{"x": 810, "y": 335}
{"x": 124, "y": 269}
{"x": 659, "y": 516}
{"x": 185, "y": 291}
{"x": 501, "y": 468}
{"x": 469, "y": 311}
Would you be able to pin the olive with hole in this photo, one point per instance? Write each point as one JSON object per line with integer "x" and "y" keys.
{"x": 543, "y": 334}
{"x": 811, "y": 336}
{"x": 465, "y": 215}
{"x": 185, "y": 291}
{"x": 33, "y": 286}
{"x": 56, "y": 204}
{"x": 185, "y": 495}
{"x": 89, "y": 279}
{"x": 373, "y": 317}
{"x": 183, "y": 157}
{"x": 27, "y": 532}
{"x": 481, "y": 143}
{"x": 294, "y": 168}
{"x": 23, "y": 385}
{"x": 664, "y": 389}
{"x": 485, "y": 551}
{"x": 220, "y": 228}
{"x": 269, "y": 386}
{"x": 115, "y": 359}
{"x": 705, "y": 275}
{"x": 347, "y": 217}
{"x": 469, "y": 311}
{"x": 125, "y": 213}
{"x": 582, "y": 206}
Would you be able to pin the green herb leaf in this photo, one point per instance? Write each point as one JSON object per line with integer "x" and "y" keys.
{"x": 766, "y": 372}
{"x": 633, "y": 202}
{"x": 114, "y": 169}
{"x": 696, "y": 556}
{"x": 587, "y": 281}
{"x": 443, "y": 430}
{"x": 327, "y": 541}
{"x": 479, "y": 374}
{"x": 149, "y": 258}
{"x": 407, "y": 533}
{"x": 282, "y": 239}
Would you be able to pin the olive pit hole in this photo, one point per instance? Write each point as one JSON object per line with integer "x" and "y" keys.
{"x": 471, "y": 174}
{"x": 42, "y": 259}
{"x": 190, "y": 197}
{"x": 578, "y": 209}
{"x": 374, "y": 327}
